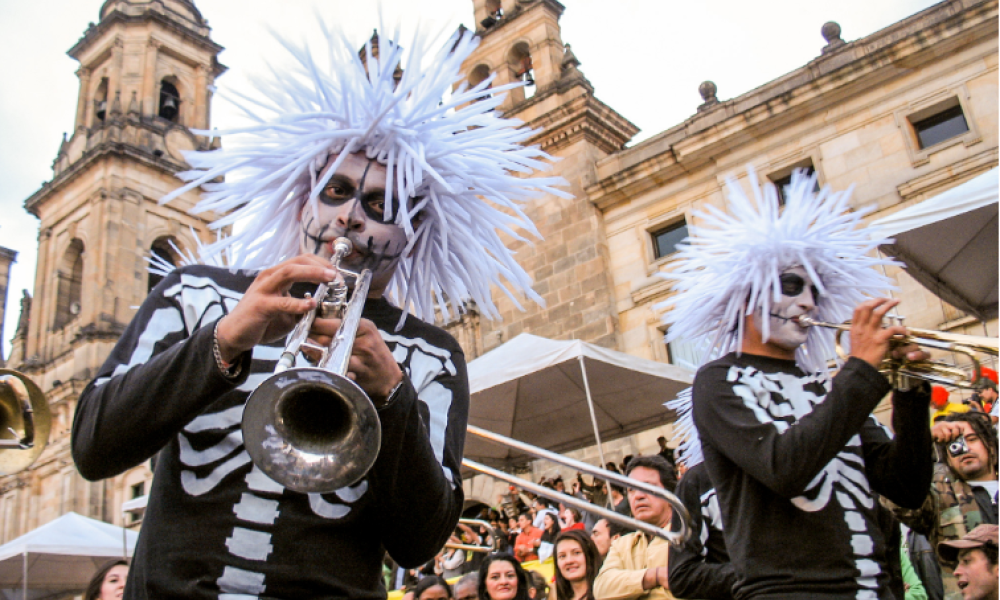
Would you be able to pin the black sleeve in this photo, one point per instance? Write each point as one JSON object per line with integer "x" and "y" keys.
{"x": 156, "y": 380}
{"x": 689, "y": 576}
{"x": 421, "y": 498}
{"x": 785, "y": 462}
{"x": 901, "y": 469}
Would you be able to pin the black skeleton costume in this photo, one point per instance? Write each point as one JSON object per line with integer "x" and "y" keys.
{"x": 795, "y": 456}
{"x": 456, "y": 173}
{"x": 217, "y": 527}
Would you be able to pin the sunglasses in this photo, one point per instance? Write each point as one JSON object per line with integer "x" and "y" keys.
{"x": 792, "y": 285}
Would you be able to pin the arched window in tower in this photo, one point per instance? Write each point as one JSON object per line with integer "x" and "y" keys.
{"x": 101, "y": 101}
{"x": 478, "y": 74}
{"x": 523, "y": 70}
{"x": 161, "y": 253}
{"x": 494, "y": 14}
{"x": 70, "y": 285}
{"x": 170, "y": 101}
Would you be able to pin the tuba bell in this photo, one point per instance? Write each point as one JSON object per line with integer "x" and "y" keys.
{"x": 312, "y": 429}
{"x": 25, "y": 416}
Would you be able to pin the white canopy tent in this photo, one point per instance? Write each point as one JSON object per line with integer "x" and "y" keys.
{"x": 949, "y": 244}
{"x": 564, "y": 395}
{"x": 61, "y": 555}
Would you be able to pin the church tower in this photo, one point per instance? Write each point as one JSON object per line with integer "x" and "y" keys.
{"x": 147, "y": 69}
{"x": 521, "y": 40}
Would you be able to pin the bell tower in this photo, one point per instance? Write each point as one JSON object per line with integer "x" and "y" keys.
{"x": 147, "y": 69}
{"x": 521, "y": 40}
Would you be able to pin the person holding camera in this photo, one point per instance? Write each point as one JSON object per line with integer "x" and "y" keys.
{"x": 963, "y": 491}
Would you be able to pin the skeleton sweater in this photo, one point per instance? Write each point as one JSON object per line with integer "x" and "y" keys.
{"x": 795, "y": 458}
{"x": 215, "y": 525}
{"x": 700, "y": 568}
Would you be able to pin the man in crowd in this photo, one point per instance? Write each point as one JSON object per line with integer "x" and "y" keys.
{"x": 665, "y": 452}
{"x": 636, "y": 564}
{"x": 540, "y": 506}
{"x": 339, "y": 151}
{"x": 604, "y": 534}
{"x": 528, "y": 540}
{"x": 976, "y": 557}
{"x": 794, "y": 454}
{"x": 467, "y": 588}
{"x": 963, "y": 492}
{"x": 619, "y": 501}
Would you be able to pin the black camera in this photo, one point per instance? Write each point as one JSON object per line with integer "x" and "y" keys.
{"x": 958, "y": 447}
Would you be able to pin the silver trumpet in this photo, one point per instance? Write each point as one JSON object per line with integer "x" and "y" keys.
{"x": 312, "y": 429}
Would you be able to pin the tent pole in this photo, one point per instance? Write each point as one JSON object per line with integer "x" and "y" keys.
{"x": 593, "y": 421}
{"x": 24, "y": 576}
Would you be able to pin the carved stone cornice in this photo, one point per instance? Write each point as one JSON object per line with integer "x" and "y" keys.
{"x": 583, "y": 117}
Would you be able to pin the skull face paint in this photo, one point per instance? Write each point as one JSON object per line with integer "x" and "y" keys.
{"x": 798, "y": 297}
{"x": 352, "y": 206}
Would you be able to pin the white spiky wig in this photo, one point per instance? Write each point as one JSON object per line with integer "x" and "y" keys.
{"x": 730, "y": 265}
{"x": 462, "y": 166}
{"x": 685, "y": 433}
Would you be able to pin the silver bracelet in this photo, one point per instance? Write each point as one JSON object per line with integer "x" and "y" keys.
{"x": 229, "y": 371}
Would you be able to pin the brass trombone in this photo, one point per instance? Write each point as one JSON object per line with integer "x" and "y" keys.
{"x": 674, "y": 537}
{"x": 312, "y": 429}
{"x": 934, "y": 371}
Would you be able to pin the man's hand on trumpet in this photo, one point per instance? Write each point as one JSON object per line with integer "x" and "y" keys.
{"x": 372, "y": 365}
{"x": 267, "y": 311}
{"x": 871, "y": 342}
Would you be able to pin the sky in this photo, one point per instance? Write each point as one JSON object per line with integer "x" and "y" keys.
{"x": 645, "y": 59}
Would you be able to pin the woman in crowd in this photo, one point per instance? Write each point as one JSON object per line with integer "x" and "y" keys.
{"x": 432, "y": 588}
{"x": 452, "y": 560}
{"x": 549, "y": 532}
{"x": 570, "y": 518}
{"x": 577, "y": 562}
{"x": 109, "y": 581}
{"x": 501, "y": 577}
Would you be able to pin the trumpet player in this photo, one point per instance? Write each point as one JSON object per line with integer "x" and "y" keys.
{"x": 419, "y": 183}
{"x": 795, "y": 455}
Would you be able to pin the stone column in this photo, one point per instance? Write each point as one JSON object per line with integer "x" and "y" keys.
{"x": 84, "y": 101}
{"x": 148, "y": 95}
{"x": 201, "y": 97}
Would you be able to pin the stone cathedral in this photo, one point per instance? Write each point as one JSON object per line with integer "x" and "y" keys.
{"x": 859, "y": 113}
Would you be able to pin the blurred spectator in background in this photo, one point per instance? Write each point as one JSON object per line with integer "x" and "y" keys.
{"x": 538, "y": 588}
{"x": 108, "y": 583}
{"x": 636, "y": 565}
{"x": 603, "y": 534}
{"x": 666, "y": 453}
{"x": 976, "y": 557}
{"x": 528, "y": 540}
{"x": 467, "y": 588}
{"x": 577, "y": 564}
{"x": 550, "y": 529}
{"x": 432, "y": 588}
{"x": 501, "y": 577}
{"x": 570, "y": 519}
{"x": 541, "y": 508}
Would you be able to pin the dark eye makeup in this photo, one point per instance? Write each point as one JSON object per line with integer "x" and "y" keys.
{"x": 793, "y": 284}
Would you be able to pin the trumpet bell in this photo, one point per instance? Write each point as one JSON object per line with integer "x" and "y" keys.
{"x": 25, "y": 421}
{"x": 312, "y": 430}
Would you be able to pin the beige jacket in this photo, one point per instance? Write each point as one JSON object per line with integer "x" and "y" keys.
{"x": 626, "y": 563}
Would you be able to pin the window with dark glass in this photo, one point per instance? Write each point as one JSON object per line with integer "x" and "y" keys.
{"x": 782, "y": 183}
{"x": 940, "y": 126}
{"x": 665, "y": 240}
{"x": 139, "y": 490}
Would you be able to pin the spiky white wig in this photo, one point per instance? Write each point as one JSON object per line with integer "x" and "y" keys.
{"x": 685, "y": 433}
{"x": 448, "y": 155}
{"x": 730, "y": 265}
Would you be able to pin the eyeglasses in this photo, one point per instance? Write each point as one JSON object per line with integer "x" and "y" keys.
{"x": 793, "y": 284}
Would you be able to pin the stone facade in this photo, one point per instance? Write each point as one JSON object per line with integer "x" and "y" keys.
{"x": 145, "y": 74}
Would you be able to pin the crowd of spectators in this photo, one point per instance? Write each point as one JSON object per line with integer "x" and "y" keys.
{"x": 946, "y": 549}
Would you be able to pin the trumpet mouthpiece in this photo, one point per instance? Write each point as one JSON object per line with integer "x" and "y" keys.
{"x": 342, "y": 246}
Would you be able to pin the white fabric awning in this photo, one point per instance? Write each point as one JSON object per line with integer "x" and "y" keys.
{"x": 63, "y": 554}
{"x": 532, "y": 389}
{"x": 949, "y": 244}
